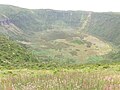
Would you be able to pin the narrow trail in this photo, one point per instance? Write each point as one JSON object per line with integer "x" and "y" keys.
{"x": 100, "y": 47}
{"x": 86, "y": 22}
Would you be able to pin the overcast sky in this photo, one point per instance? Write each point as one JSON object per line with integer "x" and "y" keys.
{"x": 87, "y": 5}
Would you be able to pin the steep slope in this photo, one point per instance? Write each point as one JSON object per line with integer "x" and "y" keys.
{"x": 106, "y": 25}
{"x": 62, "y": 36}
{"x": 12, "y": 54}
{"x": 103, "y": 25}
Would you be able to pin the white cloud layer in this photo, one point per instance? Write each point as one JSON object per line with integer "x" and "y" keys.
{"x": 88, "y": 5}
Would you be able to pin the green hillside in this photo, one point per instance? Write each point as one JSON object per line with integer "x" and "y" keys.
{"x": 103, "y": 25}
{"x": 43, "y": 49}
{"x": 106, "y": 25}
{"x": 50, "y": 33}
{"x": 13, "y": 54}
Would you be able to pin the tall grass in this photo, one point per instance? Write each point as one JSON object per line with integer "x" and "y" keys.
{"x": 62, "y": 80}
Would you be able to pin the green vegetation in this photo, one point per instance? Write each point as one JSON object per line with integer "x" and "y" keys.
{"x": 55, "y": 50}
{"x": 85, "y": 77}
{"x": 12, "y": 54}
{"x": 103, "y": 25}
{"x": 51, "y": 32}
{"x": 77, "y": 42}
{"x": 95, "y": 59}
